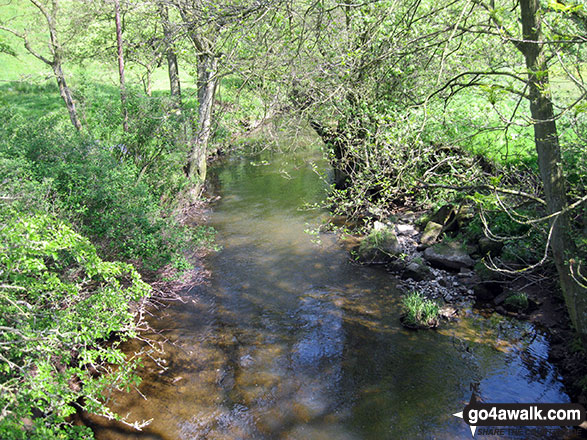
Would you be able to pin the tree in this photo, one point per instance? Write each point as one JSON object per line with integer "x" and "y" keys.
{"x": 171, "y": 54}
{"x": 550, "y": 162}
{"x": 539, "y": 51}
{"x": 50, "y": 14}
{"x": 208, "y": 26}
{"x": 121, "y": 64}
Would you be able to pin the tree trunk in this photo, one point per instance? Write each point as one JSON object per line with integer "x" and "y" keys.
{"x": 121, "y": 64}
{"x": 147, "y": 83}
{"x": 550, "y": 162}
{"x": 66, "y": 94}
{"x": 207, "y": 80}
{"x": 57, "y": 55}
{"x": 172, "y": 67}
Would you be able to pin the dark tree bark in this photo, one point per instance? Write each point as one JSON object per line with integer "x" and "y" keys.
{"x": 207, "y": 82}
{"x": 121, "y": 64}
{"x": 550, "y": 162}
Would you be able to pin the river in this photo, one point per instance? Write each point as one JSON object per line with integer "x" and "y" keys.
{"x": 291, "y": 340}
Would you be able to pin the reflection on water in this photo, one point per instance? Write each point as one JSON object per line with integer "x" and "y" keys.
{"x": 292, "y": 341}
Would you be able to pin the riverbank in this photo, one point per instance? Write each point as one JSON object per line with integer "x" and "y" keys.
{"x": 452, "y": 273}
{"x": 290, "y": 339}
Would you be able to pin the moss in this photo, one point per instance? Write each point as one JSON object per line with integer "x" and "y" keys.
{"x": 517, "y": 301}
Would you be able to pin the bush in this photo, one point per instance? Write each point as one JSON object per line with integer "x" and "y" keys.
{"x": 419, "y": 312}
{"x": 96, "y": 192}
{"x": 58, "y": 302}
{"x": 517, "y": 301}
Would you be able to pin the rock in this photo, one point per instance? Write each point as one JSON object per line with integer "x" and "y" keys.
{"x": 379, "y": 226}
{"x": 448, "y": 312}
{"x": 464, "y": 216}
{"x": 482, "y": 293}
{"x": 499, "y": 299}
{"x": 431, "y": 233}
{"x": 417, "y": 272}
{"x": 408, "y": 230}
{"x": 448, "y": 256}
{"x": 351, "y": 243}
{"x": 381, "y": 245}
{"x": 444, "y": 215}
{"x": 489, "y": 246}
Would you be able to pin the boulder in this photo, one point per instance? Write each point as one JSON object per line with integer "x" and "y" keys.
{"x": 489, "y": 246}
{"x": 444, "y": 215}
{"x": 448, "y": 256}
{"x": 417, "y": 271}
{"x": 483, "y": 293}
{"x": 405, "y": 229}
{"x": 380, "y": 245}
{"x": 431, "y": 233}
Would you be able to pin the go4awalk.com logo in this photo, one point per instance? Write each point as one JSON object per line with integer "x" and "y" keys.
{"x": 478, "y": 413}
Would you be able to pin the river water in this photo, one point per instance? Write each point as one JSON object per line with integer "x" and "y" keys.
{"x": 291, "y": 340}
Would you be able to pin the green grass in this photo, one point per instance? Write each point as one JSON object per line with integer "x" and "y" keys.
{"x": 419, "y": 311}
{"x": 518, "y": 301}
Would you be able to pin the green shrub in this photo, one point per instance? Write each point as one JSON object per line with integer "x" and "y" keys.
{"x": 517, "y": 301}
{"x": 419, "y": 311}
{"x": 58, "y": 302}
{"x": 95, "y": 190}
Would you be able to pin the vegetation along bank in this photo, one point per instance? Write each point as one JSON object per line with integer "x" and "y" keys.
{"x": 455, "y": 130}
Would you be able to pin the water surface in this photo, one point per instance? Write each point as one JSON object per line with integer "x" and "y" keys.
{"x": 291, "y": 340}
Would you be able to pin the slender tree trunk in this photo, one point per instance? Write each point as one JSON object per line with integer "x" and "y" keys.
{"x": 550, "y": 162}
{"x": 147, "y": 83}
{"x": 172, "y": 67}
{"x": 65, "y": 93}
{"x": 55, "y": 62}
{"x": 207, "y": 81}
{"x": 121, "y": 64}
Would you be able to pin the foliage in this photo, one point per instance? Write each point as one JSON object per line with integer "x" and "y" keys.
{"x": 419, "y": 311}
{"x": 58, "y": 302}
{"x": 517, "y": 300}
{"x": 96, "y": 191}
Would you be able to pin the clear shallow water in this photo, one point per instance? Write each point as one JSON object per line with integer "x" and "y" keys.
{"x": 292, "y": 341}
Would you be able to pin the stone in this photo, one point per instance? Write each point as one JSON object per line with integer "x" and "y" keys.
{"x": 444, "y": 215}
{"x": 405, "y": 230}
{"x": 417, "y": 272}
{"x": 482, "y": 293}
{"x": 448, "y": 312}
{"x": 499, "y": 299}
{"x": 448, "y": 256}
{"x": 431, "y": 233}
{"x": 379, "y": 226}
{"x": 489, "y": 246}
{"x": 381, "y": 245}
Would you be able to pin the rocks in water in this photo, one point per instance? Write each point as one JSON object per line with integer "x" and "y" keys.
{"x": 380, "y": 245}
{"x": 431, "y": 233}
{"x": 450, "y": 256}
{"x": 418, "y": 271}
{"x": 448, "y": 312}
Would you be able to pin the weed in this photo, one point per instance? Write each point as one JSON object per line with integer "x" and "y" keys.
{"x": 419, "y": 311}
